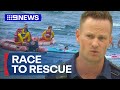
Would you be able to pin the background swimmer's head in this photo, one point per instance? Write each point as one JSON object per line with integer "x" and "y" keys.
{"x": 66, "y": 48}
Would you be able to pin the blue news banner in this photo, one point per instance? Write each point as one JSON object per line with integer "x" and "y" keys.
{"x": 23, "y": 17}
{"x": 30, "y": 64}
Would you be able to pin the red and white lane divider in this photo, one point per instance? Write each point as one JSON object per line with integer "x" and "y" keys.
{"x": 113, "y": 56}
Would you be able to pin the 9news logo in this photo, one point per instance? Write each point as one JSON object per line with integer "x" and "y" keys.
{"x": 22, "y": 17}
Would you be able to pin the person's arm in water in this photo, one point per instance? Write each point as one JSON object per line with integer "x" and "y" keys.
{"x": 36, "y": 45}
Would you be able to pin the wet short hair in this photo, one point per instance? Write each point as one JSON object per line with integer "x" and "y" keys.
{"x": 25, "y": 24}
{"x": 99, "y": 15}
{"x": 49, "y": 27}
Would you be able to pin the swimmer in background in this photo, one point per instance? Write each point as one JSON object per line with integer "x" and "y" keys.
{"x": 65, "y": 48}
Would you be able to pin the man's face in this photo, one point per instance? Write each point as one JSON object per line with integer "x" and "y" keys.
{"x": 26, "y": 26}
{"x": 49, "y": 30}
{"x": 94, "y": 38}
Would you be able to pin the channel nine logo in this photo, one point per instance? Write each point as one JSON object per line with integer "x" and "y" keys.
{"x": 23, "y": 17}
